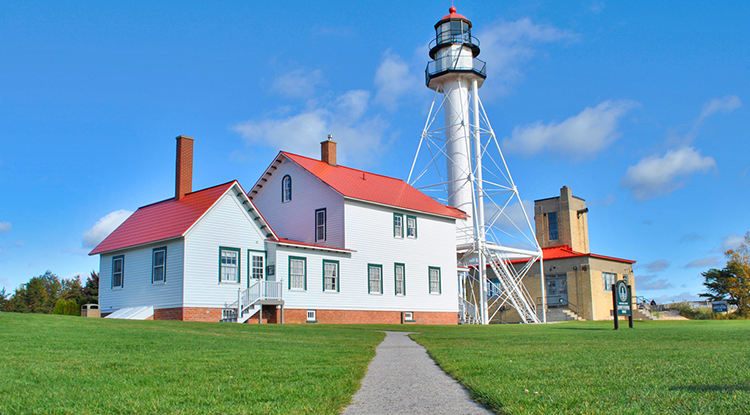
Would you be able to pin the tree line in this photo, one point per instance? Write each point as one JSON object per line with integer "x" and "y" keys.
{"x": 48, "y": 294}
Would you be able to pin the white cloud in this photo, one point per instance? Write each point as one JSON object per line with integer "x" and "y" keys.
{"x": 393, "y": 80}
{"x": 725, "y": 105}
{"x": 299, "y": 83}
{"x": 731, "y": 242}
{"x": 652, "y": 283}
{"x": 359, "y": 137}
{"x": 579, "y": 136}
{"x": 104, "y": 227}
{"x": 685, "y": 296}
{"x": 654, "y": 176}
{"x": 658, "y": 265}
{"x": 508, "y": 46}
{"x": 5, "y": 227}
{"x": 711, "y": 261}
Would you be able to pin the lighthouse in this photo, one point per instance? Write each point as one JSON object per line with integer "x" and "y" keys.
{"x": 496, "y": 246}
{"x": 455, "y": 71}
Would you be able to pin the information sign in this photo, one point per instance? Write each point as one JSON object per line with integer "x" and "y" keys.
{"x": 623, "y": 298}
{"x": 719, "y": 306}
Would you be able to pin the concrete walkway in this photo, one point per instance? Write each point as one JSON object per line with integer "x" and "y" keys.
{"x": 402, "y": 379}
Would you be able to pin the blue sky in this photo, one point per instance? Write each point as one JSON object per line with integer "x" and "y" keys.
{"x": 639, "y": 107}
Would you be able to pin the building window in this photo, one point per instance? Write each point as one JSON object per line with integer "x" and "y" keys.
{"x": 311, "y": 318}
{"x": 398, "y": 225}
{"x": 320, "y": 225}
{"x": 399, "y": 276}
{"x": 552, "y": 225}
{"x": 286, "y": 189}
{"x": 118, "y": 271}
{"x": 256, "y": 261}
{"x": 297, "y": 273}
{"x": 375, "y": 279}
{"x": 408, "y": 316}
{"x": 159, "y": 265}
{"x": 411, "y": 226}
{"x": 493, "y": 288}
{"x": 608, "y": 279}
{"x": 229, "y": 265}
{"x": 330, "y": 275}
{"x": 435, "y": 280}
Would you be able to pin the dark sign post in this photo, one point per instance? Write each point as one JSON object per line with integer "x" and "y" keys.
{"x": 622, "y": 302}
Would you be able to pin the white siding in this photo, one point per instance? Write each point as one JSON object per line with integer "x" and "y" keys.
{"x": 137, "y": 290}
{"x": 227, "y": 224}
{"x": 296, "y": 219}
{"x": 370, "y": 233}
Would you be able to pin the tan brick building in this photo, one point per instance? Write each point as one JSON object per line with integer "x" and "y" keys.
{"x": 578, "y": 283}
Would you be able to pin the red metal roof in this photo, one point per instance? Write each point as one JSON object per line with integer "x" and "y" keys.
{"x": 162, "y": 220}
{"x": 560, "y": 252}
{"x": 361, "y": 185}
{"x": 453, "y": 15}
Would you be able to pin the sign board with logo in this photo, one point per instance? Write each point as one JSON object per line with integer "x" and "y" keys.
{"x": 623, "y": 302}
{"x": 719, "y": 306}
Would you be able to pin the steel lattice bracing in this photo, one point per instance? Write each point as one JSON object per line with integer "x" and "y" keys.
{"x": 498, "y": 235}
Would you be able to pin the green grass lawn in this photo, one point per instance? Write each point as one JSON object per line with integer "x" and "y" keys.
{"x": 60, "y": 364}
{"x": 52, "y": 364}
{"x": 680, "y": 367}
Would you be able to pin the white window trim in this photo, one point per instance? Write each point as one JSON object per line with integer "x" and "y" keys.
{"x": 403, "y": 280}
{"x": 336, "y": 278}
{"x": 322, "y": 226}
{"x": 284, "y": 189}
{"x": 120, "y": 258}
{"x": 312, "y": 316}
{"x": 370, "y": 281}
{"x": 163, "y": 266}
{"x": 411, "y": 219}
{"x": 303, "y": 275}
{"x": 237, "y": 267}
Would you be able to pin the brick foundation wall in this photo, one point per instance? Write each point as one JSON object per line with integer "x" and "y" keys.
{"x": 296, "y": 316}
{"x": 188, "y": 314}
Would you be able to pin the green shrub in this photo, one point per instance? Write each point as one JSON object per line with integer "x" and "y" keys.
{"x": 67, "y": 307}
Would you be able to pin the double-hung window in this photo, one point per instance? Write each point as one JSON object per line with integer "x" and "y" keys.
{"x": 118, "y": 271}
{"x": 330, "y": 275}
{"x": 286, "y": 189}
{"x": 320, "y": 225}
{"x": 229, "y": 265}
{"x": 374, "y": 279}
{"x": 434, "y": 280}
{"x": 297, "y": 273}
{"x": 398, "y": 225}
{"x": 399, "y": 277}
{"x": 411, "y": 226}
{"x": 608, "y": 278}
{"x": 159, "y": 265}
{"x": 256, "y": 261}
{"x": 552, "y": 224}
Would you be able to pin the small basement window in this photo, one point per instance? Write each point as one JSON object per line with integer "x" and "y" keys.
{"x": 408, "y": 316}
{"x": 311, "y": 316}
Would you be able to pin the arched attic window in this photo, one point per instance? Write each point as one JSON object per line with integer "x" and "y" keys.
{"x": 286, "y": 189}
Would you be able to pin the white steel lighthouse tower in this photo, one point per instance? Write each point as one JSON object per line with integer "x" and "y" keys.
{"x": 498, "y": 235}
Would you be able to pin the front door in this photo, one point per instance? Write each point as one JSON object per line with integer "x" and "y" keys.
{"x": 557, "y": 290}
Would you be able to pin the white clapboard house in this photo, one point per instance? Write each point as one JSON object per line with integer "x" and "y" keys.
{"x": 311, "y": 242}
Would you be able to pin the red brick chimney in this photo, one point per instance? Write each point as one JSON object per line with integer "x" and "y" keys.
{"x": 184, "y": 170}
{"x": 328, "y": 151}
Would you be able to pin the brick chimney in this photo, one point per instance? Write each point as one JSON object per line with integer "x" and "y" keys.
{"x": 184, "y": 167}
{"x": 328, "y": 151}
